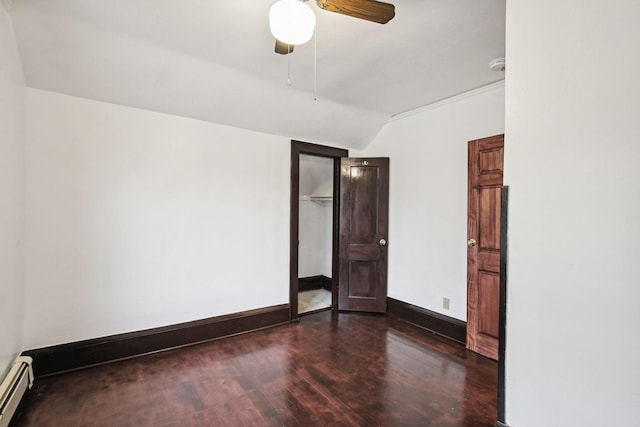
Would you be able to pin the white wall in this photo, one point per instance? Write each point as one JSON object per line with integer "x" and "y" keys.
{"x": 428, "y": 196}
{"x": 572, "y": 156}
{"x": 11, "y": 195}
{"x": 137, "y": 219}
{"x": 315, "y": 244}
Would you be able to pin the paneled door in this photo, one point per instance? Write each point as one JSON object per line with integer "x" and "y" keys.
{"x": 483, "y": 245}
{"x": 363, "y": 245}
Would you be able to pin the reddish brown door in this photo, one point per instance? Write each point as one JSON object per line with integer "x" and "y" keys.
{"x": 483, "y": 258}
{"x": 364, "y": 206}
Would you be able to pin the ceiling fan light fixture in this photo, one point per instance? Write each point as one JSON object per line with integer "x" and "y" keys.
{"x": 292, "y": 21}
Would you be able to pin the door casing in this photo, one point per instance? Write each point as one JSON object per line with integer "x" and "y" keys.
{"x": 298, "y": 148}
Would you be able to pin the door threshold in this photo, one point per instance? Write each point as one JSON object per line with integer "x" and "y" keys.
{"x": 319, "y": 310}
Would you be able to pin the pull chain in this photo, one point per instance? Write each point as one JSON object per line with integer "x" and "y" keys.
{"x": 289, "y": 66}
{"x": 315, "y": 63}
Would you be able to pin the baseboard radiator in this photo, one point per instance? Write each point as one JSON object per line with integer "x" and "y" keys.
{"x": 13, "y": 387}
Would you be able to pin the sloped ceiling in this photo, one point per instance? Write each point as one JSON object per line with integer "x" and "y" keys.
{"x": 213, "y": 60}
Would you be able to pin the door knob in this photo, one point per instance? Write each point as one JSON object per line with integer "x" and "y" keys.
{"x": 383, "y": 242}
{"x": 471, "y": 243}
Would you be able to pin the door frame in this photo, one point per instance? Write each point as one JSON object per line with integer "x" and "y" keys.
{"x": 502, "y": 343}
{"x": 298, "y": 148}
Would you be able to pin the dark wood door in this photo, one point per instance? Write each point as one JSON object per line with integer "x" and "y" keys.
{"x": 483, "y": 256}
{"x": 364, "y": 212}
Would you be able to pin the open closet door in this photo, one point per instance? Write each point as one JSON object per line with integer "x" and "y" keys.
{"x": 364, "y": 222}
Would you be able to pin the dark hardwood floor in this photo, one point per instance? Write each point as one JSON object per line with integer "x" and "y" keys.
{"x": 347, "y": 369}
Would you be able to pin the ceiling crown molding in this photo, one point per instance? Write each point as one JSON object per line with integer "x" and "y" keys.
{"x": 446, "y": 101}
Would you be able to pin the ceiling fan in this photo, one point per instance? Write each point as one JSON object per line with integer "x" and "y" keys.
{"x": 369, "y": 10}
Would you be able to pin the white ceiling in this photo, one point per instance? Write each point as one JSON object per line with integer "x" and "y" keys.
{"x": 213, "y": 60}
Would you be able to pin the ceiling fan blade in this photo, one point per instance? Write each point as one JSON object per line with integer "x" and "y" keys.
{"x": 283, "y": 48}
{"x": 370, "y": 10}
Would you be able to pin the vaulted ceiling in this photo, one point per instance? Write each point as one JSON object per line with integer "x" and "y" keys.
{"x": 214, "y": 60}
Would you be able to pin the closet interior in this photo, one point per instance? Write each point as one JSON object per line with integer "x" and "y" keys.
{"x": 315, "y": 233}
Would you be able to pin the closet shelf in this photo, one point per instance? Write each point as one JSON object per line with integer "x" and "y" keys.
{"x": 321, "y": 200}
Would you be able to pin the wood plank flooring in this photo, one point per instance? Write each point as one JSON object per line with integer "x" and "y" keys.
{"x": 328, "y": 370}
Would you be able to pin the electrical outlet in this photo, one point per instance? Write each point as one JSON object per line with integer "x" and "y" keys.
{"x": 446, "y": 302}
